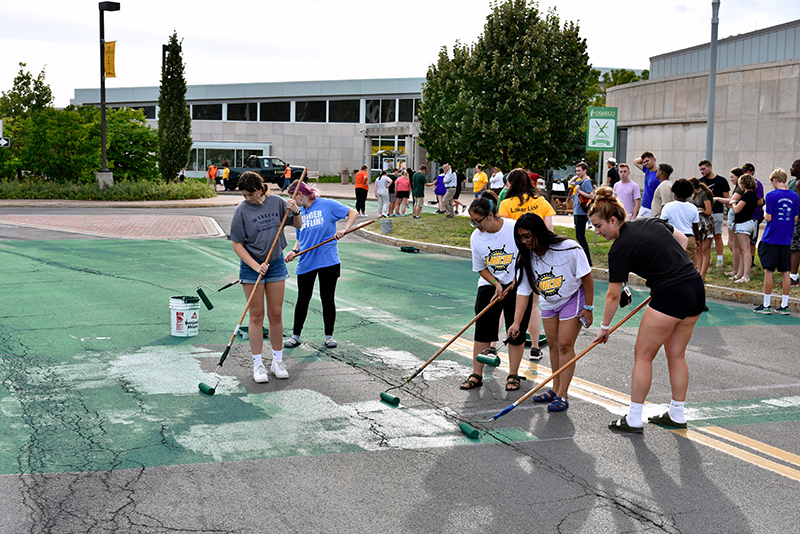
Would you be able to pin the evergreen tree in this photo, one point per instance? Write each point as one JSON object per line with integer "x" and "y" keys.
{"x": 174, "y": 121}
{"x": 517, "y": 97}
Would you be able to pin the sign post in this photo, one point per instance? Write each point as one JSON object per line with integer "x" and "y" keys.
{"x": 601, "y": 129}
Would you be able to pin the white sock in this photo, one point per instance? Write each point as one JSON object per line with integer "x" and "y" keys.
{"x": 784, "y": 301}
{"x": 676, "y": 411}
{"x": 719, "y": 257}
{"x": 634, "y": 416}
{"x": 767, "y": 299}
{"x": 277, "y": 355}
{"x": 794, "y": 276}
{"x": 257, "y": 360}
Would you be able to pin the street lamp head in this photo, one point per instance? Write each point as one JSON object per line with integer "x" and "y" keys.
{"x": 109, "y": 6}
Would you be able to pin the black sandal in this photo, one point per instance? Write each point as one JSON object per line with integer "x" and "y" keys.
{"x": 513, "y": 382}
{"x": 470, "y": 384}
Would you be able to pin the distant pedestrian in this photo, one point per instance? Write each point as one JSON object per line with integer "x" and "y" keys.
{"x": 382, "y": 193}
{"x": 287, "y": 177}
{"x": 720, "y": 188}
{"x": 480, "y": 181}
{"x": 584, "y": 195}
{"x": 226, "y": 172}
{"x": 612, "y": 176}
{"x": 497, "y": 181}
{"x": 647, "y": 164}
{"x": 402, "y": 191}
{"x": 418, "y": 184}
{"x": 627, "y": 191}
{"x": 439, "y": 190}
{"x": 362, "y": 190}
{"x": 211, "y": 176}
{"x": 450, "y": 182}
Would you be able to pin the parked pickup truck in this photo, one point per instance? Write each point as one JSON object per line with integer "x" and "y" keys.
{"x": 269, "y": 167}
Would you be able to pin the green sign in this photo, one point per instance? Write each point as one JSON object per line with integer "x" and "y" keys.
{"x": 601, "y": 130}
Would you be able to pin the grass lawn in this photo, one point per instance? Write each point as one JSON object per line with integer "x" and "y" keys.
{"x": 434, "y": 228}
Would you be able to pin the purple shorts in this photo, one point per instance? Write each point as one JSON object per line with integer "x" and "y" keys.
{"x": 571, "y": 309}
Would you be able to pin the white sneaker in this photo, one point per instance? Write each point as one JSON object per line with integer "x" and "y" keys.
{"x": 260, "y": 374}
{"x": 278, "y": 369}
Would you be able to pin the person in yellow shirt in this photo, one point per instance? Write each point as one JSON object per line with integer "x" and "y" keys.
{"x": 522, "y": 198}
{"x": 479, "y": 181}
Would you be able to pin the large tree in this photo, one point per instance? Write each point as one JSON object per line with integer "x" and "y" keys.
{"x": 517, "y": 97}
{"x": 174, "y": 121}
{"x": 28, "y": 95}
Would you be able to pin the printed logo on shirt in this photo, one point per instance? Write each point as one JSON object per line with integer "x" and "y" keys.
{"x": 499, "y": 260}
{"x": 312, "y": 219}
{"x": 549, "y": 284}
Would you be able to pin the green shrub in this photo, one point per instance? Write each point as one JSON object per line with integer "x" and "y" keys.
{"x": 122, "y": 191}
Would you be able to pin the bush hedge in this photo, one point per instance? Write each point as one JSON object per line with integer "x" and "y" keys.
{"x": 122, "y": 191}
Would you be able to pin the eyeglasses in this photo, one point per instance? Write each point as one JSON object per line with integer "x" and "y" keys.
{"x": 476, "y": 224}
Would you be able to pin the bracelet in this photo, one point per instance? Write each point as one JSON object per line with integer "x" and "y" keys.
{"x": 493, "y": 281}
{"x": 588, "y": 307}
{"x": 296, "y": 213}
{"x": 604, "y": 327}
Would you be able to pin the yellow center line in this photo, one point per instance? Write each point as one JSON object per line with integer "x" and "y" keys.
{"x": 612, "y": 400}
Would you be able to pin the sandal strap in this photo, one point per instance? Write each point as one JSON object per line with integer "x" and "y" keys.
{"x": 515, "y": 377}
{"x": 475, "y": 375}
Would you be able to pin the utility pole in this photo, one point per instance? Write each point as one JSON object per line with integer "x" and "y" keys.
{"x": 712, "y": 81}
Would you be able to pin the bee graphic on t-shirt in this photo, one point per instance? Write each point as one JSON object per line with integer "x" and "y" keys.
{"x": 499, "y": 260}
{"x": 549, "y": 284}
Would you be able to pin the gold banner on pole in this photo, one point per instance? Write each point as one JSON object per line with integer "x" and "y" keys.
{"x": 109, "y": 59}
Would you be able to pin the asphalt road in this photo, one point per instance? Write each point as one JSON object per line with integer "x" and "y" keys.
{"x": 105, "y": 430}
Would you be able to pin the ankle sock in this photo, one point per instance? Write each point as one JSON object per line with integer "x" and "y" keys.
{"x": 277, "y": 355}
{"x": 257, "y": 360}
{"x": 634, "y": 416}
{"x": 676, "y": 411}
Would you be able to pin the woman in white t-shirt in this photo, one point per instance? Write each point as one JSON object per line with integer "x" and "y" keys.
{"x": 683, "y": 215}
{"x": 555, "y": 268}
{"x": 494, "y": 257}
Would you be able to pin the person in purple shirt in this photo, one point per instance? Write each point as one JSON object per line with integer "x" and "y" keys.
{"x": 647, "y": 164}
{"x": 782, "y": 208}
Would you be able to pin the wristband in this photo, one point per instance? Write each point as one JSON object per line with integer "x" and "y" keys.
{"x": 493, "y": 281}
{"x": 604, "y": 327}
{"x": 296, "y": 213}
{"x": 588, "y": 307}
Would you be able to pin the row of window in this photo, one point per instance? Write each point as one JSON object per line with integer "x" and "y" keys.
{"x": 376, "y": 111}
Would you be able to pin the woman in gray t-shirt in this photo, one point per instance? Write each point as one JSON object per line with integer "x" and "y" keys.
{"x": 255, "y": 224}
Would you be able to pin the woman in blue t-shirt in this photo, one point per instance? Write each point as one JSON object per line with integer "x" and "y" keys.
{"x": 319, "y": 224}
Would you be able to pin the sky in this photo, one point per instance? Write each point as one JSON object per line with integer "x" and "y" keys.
{"x": 242, "y": 41}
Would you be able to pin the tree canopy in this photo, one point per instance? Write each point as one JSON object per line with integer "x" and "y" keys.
{"x": 515, "y": 98}
{"x": 174, "y": 121}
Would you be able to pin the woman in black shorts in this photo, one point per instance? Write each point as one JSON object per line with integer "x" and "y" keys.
{"x": 655, "y": 251}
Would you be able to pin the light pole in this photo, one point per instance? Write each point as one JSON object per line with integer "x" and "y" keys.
{"x": 712, "y": 81}
{"x": 104, "y": 177}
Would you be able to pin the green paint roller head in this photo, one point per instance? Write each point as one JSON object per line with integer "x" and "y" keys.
{"x": 204, "y": 298}
{"x": 470, "y": 431}
{"x": 205, "y": 388}
{"x": 391, "y": 399}
{"x": 494, "y": 361}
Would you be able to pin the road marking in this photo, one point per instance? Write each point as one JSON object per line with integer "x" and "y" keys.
{"x": 617, "y": 404}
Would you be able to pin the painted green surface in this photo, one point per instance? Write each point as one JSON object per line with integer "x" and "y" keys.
{"x": 92, "y": 378}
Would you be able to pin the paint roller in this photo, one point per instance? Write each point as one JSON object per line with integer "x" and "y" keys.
{"x": 485, "y": 358}
{"x": 472, "y": 432}
{"x": 394, "y": 400}
{"x": 205, "y": 388}
{"x": 204, "y": 297}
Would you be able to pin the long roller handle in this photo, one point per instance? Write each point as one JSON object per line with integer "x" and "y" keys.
{"x": 571, "y": 362}
{"x": 331, "y": 239}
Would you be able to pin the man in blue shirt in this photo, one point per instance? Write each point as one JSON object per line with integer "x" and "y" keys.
{"x": 782, "y": 209}
{"x": 647, "y": 164}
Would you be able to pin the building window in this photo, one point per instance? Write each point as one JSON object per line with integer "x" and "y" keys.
{"x": 373, "y": 115}
{"x": 207, "y": 112}
{"x": 242, "y": 112}
{"x": 309, "y": 111}
{"x": 406, "y": 110}
{"x": 343, "y": 110}
{"x": 275, "y": 111}
{"x": 388, "y": 108}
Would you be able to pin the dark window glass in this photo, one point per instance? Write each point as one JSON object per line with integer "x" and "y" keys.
{"x": 309, "y": 111}
{"x": 373, "y": 115}
{"x": 242, "y": 112}
{"x": 388, "y": 110}
{"x": 416, "y": 109}
{"x": 343, "y": 110}
{"x": 275, "y": 112}
{"x": 207, "y": 112}
{"x": 406, "y": 110}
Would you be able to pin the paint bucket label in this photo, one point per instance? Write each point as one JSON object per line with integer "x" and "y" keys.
{"x": 184, "y": 316}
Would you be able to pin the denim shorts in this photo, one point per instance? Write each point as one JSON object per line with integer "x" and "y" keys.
{"x": 277, "y": 272}
{"x": 745, "y": 227}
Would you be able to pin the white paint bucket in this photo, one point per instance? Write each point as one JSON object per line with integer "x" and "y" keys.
{"x": 386, "y": 225}
{"x": 184, "y": 316}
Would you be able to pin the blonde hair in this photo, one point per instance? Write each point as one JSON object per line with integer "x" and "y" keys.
{"x": 779, "y": 175}
{"x": 606, "y": 205}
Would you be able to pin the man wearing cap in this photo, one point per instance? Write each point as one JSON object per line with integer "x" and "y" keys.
{"x": 612, "y": 176}
{"x": 758, "y": 214}
{"x": 721, "y": 188}
{"x": 450, "y": 183}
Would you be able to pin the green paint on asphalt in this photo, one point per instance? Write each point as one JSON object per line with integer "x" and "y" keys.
{"x": 744, "y": 412}
{"x": 93, "y": 379}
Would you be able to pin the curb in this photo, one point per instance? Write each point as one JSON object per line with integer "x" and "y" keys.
{"x": 728, "y": 294}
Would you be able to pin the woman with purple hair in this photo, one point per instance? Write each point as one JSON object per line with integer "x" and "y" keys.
{"x": 319, "y": 224}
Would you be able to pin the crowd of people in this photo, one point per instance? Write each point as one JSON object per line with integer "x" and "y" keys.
{"x": 663, "y": 233}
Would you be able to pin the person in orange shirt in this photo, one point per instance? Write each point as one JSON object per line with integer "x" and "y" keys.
{"x": 211, "y": 176}
{"x": 287, "y": 177}
{"x": 362, "y": 189}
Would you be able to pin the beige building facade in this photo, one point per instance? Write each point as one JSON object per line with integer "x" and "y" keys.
{"x": 757, "y": 115}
